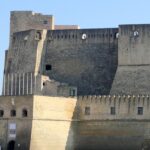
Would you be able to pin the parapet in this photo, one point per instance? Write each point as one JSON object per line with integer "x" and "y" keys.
{"x": 116, "y": 107}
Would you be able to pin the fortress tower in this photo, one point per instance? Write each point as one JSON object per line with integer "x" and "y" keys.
{"x": 132, "y": 76}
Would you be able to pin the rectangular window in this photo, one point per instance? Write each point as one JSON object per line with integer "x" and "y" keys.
{"x": 87, "y": 110}
{"x": 72, "y": 92}
{"x": 1, "y": 113}
{"x": 112, "y": 110}
{"x": 48, "y": 67}
{"x": 45, "y": 22}
{"x": 140, "y": 111}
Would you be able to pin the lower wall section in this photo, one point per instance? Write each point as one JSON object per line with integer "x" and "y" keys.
{"x": 49, "y": 134}
{"x": 112, "y": 135}
{"x": 90, "y": 135}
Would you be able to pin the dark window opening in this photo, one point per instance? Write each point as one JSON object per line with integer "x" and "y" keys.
{"x": 87, "y": 110}
{"x": 13, "y": 113}
{"x": 14, "y": 39}
{"x": 44, "y": 83}
{"x": 1, "y": 113}
{"x": 140, "y": 111}
{"x": 38, "y": 36}
{"x": 24, "y": 113}
{"x": 11, "y": 145}
{"x": 48, "y": 67}
{"x": 45, "y": 22}
{"x": 112, "y": 110}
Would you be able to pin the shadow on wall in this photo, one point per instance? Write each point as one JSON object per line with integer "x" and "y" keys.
{"x": 72, "y": 135}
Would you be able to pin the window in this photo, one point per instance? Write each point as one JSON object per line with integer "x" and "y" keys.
{"x": 38, "y": 36}
{"x": 112, "y": 110}
{"x": 87, "y": 110}
{"x": 72, "y": 92}
{"x": 48, "y": 67}
{"x": 45, "y": 22}
{"x": 140, "y": 111}
{"x": 1, "y": 113}
{"x": 24, "y": 113}
{"x": 14, "y": 39}
{"x": 13, "y": 113}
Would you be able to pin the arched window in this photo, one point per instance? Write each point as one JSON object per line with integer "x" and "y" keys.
{"x": 11, "y": 145}
{"x": 24, "y": 113}
{"x": 13, "y": 113}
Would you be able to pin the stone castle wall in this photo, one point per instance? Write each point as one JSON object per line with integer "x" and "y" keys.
{"x": 89, "y": 63}
{"x": 99, "y": 129}
{"x": 62, "y": 123}
{"x": 96, "y": 61}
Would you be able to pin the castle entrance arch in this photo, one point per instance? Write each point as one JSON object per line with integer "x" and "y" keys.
{"x": 11, "y": 145}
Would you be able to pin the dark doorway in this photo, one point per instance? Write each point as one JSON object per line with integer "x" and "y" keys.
{"x": 11, "y": 145}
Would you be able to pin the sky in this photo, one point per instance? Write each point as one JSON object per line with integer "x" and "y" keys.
{"x": 85, "y": 13}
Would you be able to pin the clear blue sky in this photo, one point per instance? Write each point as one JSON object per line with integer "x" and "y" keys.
{"x": 86, "y": 13}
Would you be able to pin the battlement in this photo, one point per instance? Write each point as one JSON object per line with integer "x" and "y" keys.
{"x": 135, "y": 107}
{"x": 86, "y": 35}
{"x": 110, "y": 97}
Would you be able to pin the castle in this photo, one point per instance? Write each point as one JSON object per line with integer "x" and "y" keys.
{"x": 75, "y": 89}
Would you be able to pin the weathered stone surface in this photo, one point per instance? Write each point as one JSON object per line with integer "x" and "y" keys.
{"x": 88, "y": 64}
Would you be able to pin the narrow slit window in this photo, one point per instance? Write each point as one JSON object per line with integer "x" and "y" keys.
{"x": 1, "y": 113}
